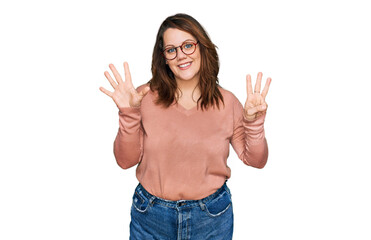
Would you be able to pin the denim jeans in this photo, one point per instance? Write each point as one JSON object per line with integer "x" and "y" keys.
{"x": 210, "y": 218}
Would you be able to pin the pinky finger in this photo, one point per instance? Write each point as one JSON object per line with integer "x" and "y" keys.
{"x": 105, "y": 91}
{"x": 252, "y": 111}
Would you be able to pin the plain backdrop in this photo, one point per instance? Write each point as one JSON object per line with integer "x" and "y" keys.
{"x": 58, "y": 175}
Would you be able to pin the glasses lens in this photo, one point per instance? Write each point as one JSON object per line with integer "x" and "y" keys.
{"x": 188, "y": 47}
{"x": 170, "y": 53}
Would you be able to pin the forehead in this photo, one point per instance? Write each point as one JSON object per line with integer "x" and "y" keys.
{"x": 174, "y": 36}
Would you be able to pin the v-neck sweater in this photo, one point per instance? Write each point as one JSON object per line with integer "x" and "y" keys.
{"x": 182, "y": 153}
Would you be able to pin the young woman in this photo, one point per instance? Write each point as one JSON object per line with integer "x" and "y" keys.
{"x": 177, "y": 129}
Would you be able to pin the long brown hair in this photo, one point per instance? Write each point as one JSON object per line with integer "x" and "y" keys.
{"x": 163, "y": 80}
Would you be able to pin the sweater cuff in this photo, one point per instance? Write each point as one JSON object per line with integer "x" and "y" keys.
{"x": 255, "y": 128}
{"x": 129, "y": 110}
{"x": 257, "y": 121}
{"x": 129, "y": 119}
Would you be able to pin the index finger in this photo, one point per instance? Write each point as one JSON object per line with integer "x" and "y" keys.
{"x": 248, "y": 84}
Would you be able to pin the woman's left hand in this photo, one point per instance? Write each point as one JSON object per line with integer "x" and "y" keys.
{"x": 255, "y": 104}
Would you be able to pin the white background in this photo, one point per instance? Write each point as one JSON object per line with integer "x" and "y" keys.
{"x": 58, "y": 176}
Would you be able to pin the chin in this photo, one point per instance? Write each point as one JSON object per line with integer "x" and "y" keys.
{"x": 187, "y": 77}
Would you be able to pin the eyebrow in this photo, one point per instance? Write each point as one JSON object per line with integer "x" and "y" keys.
{"x": 188, "y": 40}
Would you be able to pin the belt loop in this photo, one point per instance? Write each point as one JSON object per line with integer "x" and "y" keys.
{"x": 202, "y": 205}
{"x": 152, "y": 200}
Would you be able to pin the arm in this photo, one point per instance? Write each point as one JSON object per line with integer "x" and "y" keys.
{"x": 248, "y": 134}
{"x": 128, "y": 143}
{"x": 248, "y": 138}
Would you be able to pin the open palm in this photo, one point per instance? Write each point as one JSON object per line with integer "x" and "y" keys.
{"x": 124, "y": 94}
{"x": 255, "y": 104}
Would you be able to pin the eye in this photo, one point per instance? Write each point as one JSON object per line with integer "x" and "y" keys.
{"x": 188, "y": 45}
{"x": 170, "y": 50}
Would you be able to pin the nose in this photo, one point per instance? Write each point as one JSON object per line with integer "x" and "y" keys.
{"x": 180, "y": 54}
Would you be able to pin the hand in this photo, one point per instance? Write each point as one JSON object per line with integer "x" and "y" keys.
{"x": 255, "y": 104}
{"x": 124, "y": 94}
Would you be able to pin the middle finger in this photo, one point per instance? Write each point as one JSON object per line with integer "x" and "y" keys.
{"x": 258, "y": 83}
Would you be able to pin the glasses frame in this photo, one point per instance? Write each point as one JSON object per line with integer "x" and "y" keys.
{"x": 180, "y": 46}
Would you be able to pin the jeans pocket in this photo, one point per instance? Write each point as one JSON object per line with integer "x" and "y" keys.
{"x": 219, "y": 205}
{"x": 140, "y": 203}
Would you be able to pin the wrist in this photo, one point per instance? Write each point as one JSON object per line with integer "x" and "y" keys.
{"x": 249, "y": 117}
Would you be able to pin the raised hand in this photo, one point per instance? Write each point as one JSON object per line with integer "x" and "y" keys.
{"x": 124, "y": 94}
{"x": 255, "y": 104}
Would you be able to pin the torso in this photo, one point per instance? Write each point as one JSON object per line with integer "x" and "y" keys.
{"x": 185, "y": 149}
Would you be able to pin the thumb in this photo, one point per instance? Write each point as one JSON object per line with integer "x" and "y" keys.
{"x": 259, "y": 108}
{"x": 144, "y": 92}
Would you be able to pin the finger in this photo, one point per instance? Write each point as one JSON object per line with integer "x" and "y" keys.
{"x": 260, "y": 114}
{"x": 127, "y": 74}
{"x": 105, "y": 91}
{"x": 258, "y": 83}
{"x": 256, "y": 109}
{"x": 266, "y": 87}
{"x": 144, "y": 91}
{"x": 116, "y": 74}
{"x": 111, "y": 81}
{"x": 263, "y": 111}
{"x": 248, "y": 84}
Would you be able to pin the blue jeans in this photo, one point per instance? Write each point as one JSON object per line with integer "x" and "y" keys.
{"x": 210, "y": 218}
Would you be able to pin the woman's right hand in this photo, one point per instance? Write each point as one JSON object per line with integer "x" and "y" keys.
{"x": 124, "y": 94}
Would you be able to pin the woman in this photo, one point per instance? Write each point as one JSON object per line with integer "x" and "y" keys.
{"x": 178, "y": 128}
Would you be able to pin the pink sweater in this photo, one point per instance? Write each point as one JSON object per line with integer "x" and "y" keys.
{"x": 182, "y": 154}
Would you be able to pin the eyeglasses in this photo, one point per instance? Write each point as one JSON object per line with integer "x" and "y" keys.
{"x": 187, "y": 48}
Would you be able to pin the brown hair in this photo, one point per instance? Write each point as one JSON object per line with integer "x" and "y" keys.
{"x": 162, "y": 77}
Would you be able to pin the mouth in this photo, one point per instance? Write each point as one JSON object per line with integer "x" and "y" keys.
{"x": 185, "y": 66}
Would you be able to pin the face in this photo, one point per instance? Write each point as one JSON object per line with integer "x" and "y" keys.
{"x": 184, "y": 67}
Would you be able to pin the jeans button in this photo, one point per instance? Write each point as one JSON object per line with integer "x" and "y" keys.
{"x": 181, "y": 204}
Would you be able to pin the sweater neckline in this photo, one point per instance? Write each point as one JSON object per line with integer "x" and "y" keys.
{"x": 185, "y": 111}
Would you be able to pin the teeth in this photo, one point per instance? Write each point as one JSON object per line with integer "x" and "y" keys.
{"x": 185, "y": 65}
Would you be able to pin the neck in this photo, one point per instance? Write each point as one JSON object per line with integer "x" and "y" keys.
{"x": 188, "y": 87}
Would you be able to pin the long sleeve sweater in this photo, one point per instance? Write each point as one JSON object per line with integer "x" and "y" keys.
{"x": 182, "y": 153}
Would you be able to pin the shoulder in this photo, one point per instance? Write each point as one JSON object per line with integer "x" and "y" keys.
{"x": 228, "y": 96}
{"x": 232, "y": 104}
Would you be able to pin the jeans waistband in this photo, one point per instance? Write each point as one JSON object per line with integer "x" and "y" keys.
{"x": 174, "y": 204}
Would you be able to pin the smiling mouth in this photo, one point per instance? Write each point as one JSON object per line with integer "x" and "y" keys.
{"x": 185, "y": 65}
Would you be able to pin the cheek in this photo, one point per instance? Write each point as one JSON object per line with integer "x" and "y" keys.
{"x": 172, "y": 67}
{"x": 198, "y": 62}
{"x": 198, "y": 58}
